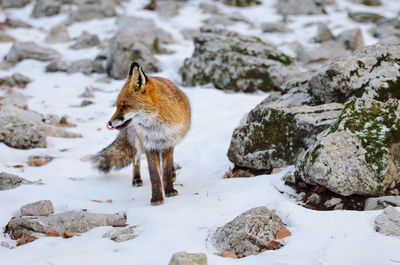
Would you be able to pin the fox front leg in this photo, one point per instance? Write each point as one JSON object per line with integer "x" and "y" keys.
{"x": 153, "y": 161}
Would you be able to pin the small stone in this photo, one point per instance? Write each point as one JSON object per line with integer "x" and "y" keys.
{"x": 228, "y": 254}
{"x": 85, "y": 103}
{"x": 290, "y": 178}
{"x": 122, "y": 234}
{"x": 351, "y": 39}
{"x": 38, "y": 161}
{"x": 381, "y": 202}
{"x": 324, "y": 33}
{"x": 5, "y": 244}
{"x": 58, "y": 34}
{"x": 301, "y": 196}
{"x": 274, "y": 27}
{"x": 388, "y": 222}
{"x": 10, "y": 181}
{"x": 365, "y": 17}
{"x": 184, "y": 258}
{"x": 86, "y": 40}
{"x": 15, "y": 23}
{"x": 46, "y": 8}
{"x": 339, "y": 206}
{"x": 314, "y": 199}
{"x": 30, "y": 50}
{"x": 39, "y": 208}
{"x": 332, "y": 202}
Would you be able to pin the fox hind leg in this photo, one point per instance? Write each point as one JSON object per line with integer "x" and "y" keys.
{"x": 136, "y": 179}
{"x": 169, "y": 174}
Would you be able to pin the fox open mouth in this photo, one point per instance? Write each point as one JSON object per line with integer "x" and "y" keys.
{"x": 122, "y": 126}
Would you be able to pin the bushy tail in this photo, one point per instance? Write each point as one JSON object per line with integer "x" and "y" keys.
{"x": 118, "y": 154}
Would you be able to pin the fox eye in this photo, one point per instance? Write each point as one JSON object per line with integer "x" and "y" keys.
{"x": 123, "y": 107}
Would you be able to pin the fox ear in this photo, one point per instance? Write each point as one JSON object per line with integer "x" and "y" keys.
{"x": 137, "y": 77}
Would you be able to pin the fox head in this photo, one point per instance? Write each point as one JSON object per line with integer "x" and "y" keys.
{"x": 133, "y": 98}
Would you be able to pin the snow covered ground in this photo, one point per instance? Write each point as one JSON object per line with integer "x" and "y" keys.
{"x": 205, "y": 199}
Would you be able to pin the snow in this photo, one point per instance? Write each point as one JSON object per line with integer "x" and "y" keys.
{"x": 205, "y": 200}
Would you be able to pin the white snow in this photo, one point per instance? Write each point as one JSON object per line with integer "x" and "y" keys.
{"x": 205, "y": 200}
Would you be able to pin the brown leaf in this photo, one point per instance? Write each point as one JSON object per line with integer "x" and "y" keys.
{"x": 38, "y": 161}
{"x": 109, "y": 201}
{"x": 99, "y": 201}
{"x": 27, "y": 238}
{"x": 52, "y": 233}
{"x": 228, "y": 254}
{"x": 282, "y": 233}
{"x": 69, "y": 234}
{"x": 273, "y": 245}
{"x": 5, "y": 244}
{"x": 18, "y": 166}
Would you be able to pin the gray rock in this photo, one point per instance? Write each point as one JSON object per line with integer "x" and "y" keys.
{"x": 301, "y": 196}
{"x": 234, "y": 62}
{"x": 86, "y": 40}
{"x": 242, "y": 3}
{"x": 57, "y": 66}
{"x": 249, "y": 233}
{"x": 338, "y": 206}
{"x": 39, "y": 208}
{"x": 351, "y": 39}
{"x": 85, "y": 103}
{"x": 72, "y": 221}
{"x": 15, "y": 99}
{"x": 16, "y": 79}
{"x": 121, "y": 234}
{"x": 314, "y": 199}
{"x": 332, "y": 202}
{"x": 92, "y": 9}
{"x": 30, "y": 50}
{"x": 209, "y": 8}
{"x": 46, "y": 8}
{"x": 324, "y": 33}
{"x": 272, "y": 137}
{"x": 358, "y": 154}
{"x": 369, "y": 2}
{"x": 386, "y": 29}
{"x": 365, "y": 17}
{"x": 126, "y": 48}
{"x": 381, "y": 202}
{"x": 81, "y": 66}
{"x": 371, "y": 72}
{"x": 10, "y": 181}
{"x": 14, "y": 3}
{"x": 4, "y": 37}
{"x": 327, "y": 50}
{"x": 15, "y": 23}
{"x": 168, "y": 8}
{"x": 184, "y": 258}
{"x": 301, "y": 7}
{"x": 388, "y": 222}
{"x": 274, "y": 27}
{"x": 58, "y": 34}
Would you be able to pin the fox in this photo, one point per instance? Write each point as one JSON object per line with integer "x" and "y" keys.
{"x": 152, "y": 115}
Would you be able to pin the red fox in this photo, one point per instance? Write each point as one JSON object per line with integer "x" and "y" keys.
{"x": 153, "y": 115}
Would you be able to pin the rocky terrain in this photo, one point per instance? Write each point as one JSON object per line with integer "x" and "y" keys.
{"x": 293, "y": 152}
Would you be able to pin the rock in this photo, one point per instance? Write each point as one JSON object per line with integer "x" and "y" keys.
{"x": 38, "y": 161}
{"x": 369, "y": 2}
{"x": 125, "y": 49}
{"x": 14, "y": 3}
{"x": 338, "y": 206}
{"x": 351, "y": 39}
{"x": 249, "y": 233}
{"x": 168, "y": 8}
{"x": 10, "y": 181}
{"x": 145, "y": 30}
{"x": 314, "y": 199}
{"x": 324, "y": 33}
{"x": 81, "y": 66}
{"x": 4, "y": 37}
{"x": 25, "y": 129}
{"x": 72, "y": 221}
{"x": 301, "y": 7}
{"x": 30, "y": 50}
{"x": 209, "y": 8}
{"x": 85, "y": 103}
{"x": 332, "y": 202}
{"x": 15, "y": 99}
{"x": 121, "y": 234}
{"x": 388, "y": 222}
{"x": 92, "y": 9}
{"x": 57, "y": 66}
{"x": 327, "y": 50}
{"x": 39, "y": 208}
{"x": 242, "y": 3}
{"x": 372, "y": 72}
{"x": 225, "y": 20}
{"x": 386, "y": 29}
{"x": 365, "y": 17}
{"x": 58, "y": 34}
{"x": 274, "y": 27}
{"x": 272, "y": 137}
{"x": 46, "y": 8}
{"x": 381, "y": 202}
{"x": 15, "y": 23}
{"x": 86, "y": 40}
{"x": 17, "y": 79}
{"x": 358, "y": 154}
{"x": 301, "y": 196}
{"x": 184, "y": 258}
{"x": 234, "y": 62}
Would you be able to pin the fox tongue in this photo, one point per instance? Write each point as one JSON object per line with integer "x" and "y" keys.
{"x": 110, "y": 127}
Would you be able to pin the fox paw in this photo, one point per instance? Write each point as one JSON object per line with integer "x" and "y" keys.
{"x": 156, "y": 201}
{"x": 137, "y": 182}
{"x": 171, "y": 193}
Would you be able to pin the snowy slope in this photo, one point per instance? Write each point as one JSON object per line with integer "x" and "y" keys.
{"x": 205, "y": 200}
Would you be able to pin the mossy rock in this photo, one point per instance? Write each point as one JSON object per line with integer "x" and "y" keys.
{"x": 359, "y": 154}
{"x": 272, "y": 136}
{"x": 234, "y": 62}
{"x": 242, "y": 3}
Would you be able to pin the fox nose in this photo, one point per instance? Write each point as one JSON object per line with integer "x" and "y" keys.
{"x": 110, "y": 123}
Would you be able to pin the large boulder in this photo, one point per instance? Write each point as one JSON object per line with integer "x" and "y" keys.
{"x": 78, "y": 222}
{"x": 92, "y": 9}
{"x": 359, "y": 153}
{"x": 249, "y": 233}
{"x": 46, "y": 8}
{"x": 30, "y": 50}
{"x": 234, "y": 62}
{"x": 14, "y": 3}
{"x": 274, "y": 136}
{"x": 372, "y": 72}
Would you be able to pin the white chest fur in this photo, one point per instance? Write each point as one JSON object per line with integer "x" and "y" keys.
{"x": 155, "y": 134}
